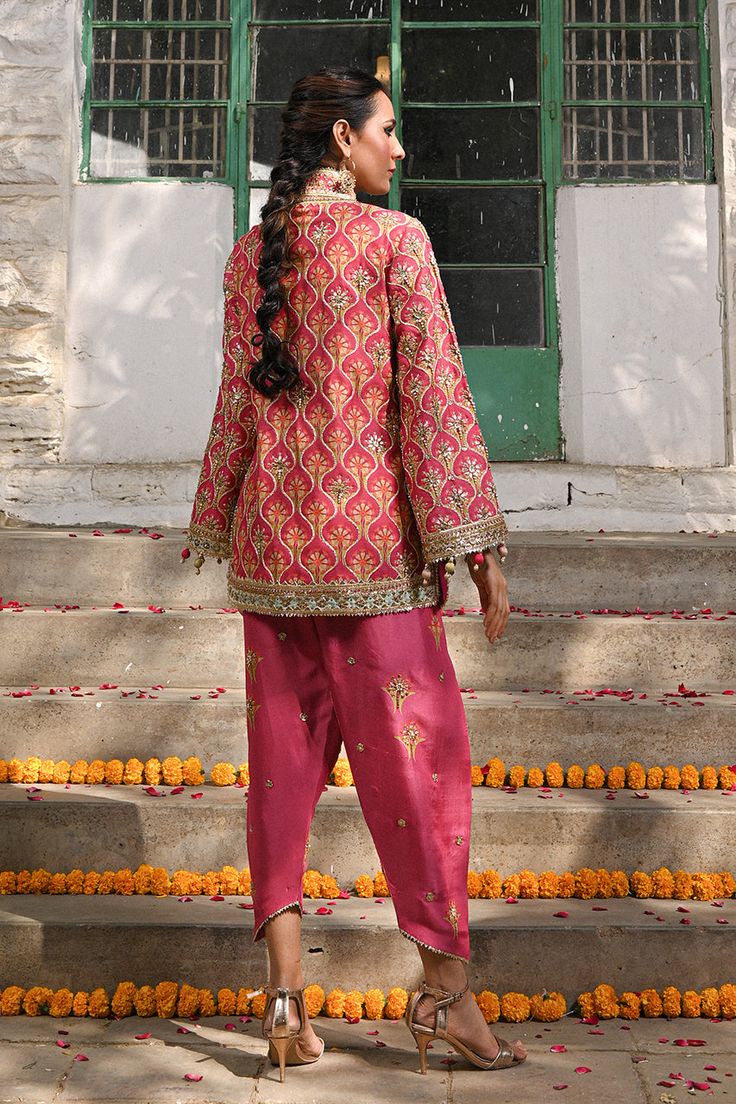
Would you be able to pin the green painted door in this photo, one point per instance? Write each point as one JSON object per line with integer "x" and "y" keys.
{"x": 475, "y": 89}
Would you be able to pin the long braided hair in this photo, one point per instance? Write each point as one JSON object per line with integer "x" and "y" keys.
{"x": 316, "y": 102}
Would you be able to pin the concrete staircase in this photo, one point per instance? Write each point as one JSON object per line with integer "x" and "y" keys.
{"x": 523, "y": 704}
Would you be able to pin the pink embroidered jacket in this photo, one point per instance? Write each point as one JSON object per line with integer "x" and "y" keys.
{"x": 330, "y": 498}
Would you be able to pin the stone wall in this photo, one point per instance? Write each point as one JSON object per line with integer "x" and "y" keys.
{"x": 723, "y": 47}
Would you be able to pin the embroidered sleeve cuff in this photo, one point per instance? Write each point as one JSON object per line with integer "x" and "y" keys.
{"x": 485, "y": 533}
{"x": 209, "y": 542}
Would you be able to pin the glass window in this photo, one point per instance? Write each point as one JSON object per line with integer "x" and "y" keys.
{"x": 496, "y": 306}
{"x": 489, "y": 10}
{"x": 460, "y": 65}
{"x": 494, "y": 143}
{"x": 479, "y": 225}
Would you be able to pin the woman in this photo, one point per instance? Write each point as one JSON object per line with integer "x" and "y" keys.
{"x": 344, "y": 472}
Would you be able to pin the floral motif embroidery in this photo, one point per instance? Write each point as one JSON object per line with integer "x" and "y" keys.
{"x": 398, "y": 689}
{"x": 453, "y": 917}
{"x": 252, "y": 659}
{"x": 411, "y": 738}
{"x": 250, "y": 709}
{"x": 435, "y": 624}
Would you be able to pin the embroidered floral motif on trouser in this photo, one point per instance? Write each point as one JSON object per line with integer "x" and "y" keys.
{"x": 386, "y": 687}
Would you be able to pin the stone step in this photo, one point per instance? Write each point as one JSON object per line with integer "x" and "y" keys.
{"x": 529, "y": 728}
{"x": 89, "y": 941}
{"x": 101, "y": 828}
{"x": 180, "y": 646}
{"x": 550, "y": 570}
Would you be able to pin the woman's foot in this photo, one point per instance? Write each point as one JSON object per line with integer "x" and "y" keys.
{"x": 465, "y": 1020}
{"x": 309, "y": 1042}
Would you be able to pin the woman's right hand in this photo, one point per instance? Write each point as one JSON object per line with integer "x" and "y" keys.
{"x": 493, "y": 592}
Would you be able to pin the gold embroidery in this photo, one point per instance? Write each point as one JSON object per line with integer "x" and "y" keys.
{"x": 435, "y": 625}
{"x": 333, "y": 599}
{"x": 458, "y": 539}
{"x": 252, "y": 659}
{"x": 251, "y": 705}
{"x": 398, "y": 689}
{"x": 452, "y": 916}
{"x": 411, "y": 738}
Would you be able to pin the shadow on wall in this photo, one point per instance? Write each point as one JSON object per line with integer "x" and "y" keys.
{"x": 143, "y": 354}
{"x": 642, "y": 376}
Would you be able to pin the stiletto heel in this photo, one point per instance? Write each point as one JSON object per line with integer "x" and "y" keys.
{"x": 423, "y": 1034}
{"x": 284, "y": 1047}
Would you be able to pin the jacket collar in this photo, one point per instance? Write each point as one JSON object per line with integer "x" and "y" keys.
{"x": 328, "y": 183}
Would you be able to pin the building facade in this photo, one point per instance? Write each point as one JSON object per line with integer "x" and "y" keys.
{"x": 573, "y": 160}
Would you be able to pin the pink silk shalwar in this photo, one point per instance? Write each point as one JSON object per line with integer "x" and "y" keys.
{"x": 385, "y": 687}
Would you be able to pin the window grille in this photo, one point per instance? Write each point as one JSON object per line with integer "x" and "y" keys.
{"x": 636, "y": 101}
{"x": 157, "y": 89}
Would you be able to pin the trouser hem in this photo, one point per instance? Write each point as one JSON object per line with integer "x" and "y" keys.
{"x": 259, "y": 930}
{"x": 429, "y": 947}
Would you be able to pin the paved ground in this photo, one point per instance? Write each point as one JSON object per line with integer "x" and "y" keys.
{"x": 626, "y": 1062}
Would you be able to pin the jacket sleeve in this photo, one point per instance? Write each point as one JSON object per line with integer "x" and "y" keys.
{"x": 444, "y": 455}
{"x": 231, "y": 441}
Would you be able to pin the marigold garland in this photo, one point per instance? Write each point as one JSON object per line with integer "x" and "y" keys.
{"x": 173, "y": 771}
{"x": 168, "y": 999}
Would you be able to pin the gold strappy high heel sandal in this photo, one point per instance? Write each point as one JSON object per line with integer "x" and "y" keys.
{"x": 284, "y": 1047}
{"x": 423, "y": 1034}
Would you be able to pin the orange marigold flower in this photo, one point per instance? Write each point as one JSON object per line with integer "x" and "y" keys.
{"x": 517, "y": 775}
{"x": 78, "y": 773}
{"x": 651, "y": 1003}
{"x": 364, "y": 885}
{"x": 62, "y": 770}
{"x": 619, "y": 884}
{"x": 171, "y": 771}
{"x": 511, "y": 886}
{"x": 655, "y": 778}
{"x": 211, "y": 883}
{"x": 207, "y": 1006}
{"x": 96, "y": 771}
{"x": 396, "y": 1002}
{"x": 616, "y": 778}
{"x": 703, "y": 887}
{"x": 605, "y": 889}
{"x": 586, "y": 883}
{"x": 23, "y": 881}
{"x": 91, "y": 883}
{"x": 528, "y": 885}
{"x": 258, "y": 1005}
{"x": 61, "y": 1003}
{"x": 663, "y": 884}
{"x": 641, "y": 884}
{"x": 547, "y": 1007}
{"x": 166, "y": 995}
{"x": 152, "y": 771}
{"x": 554, "y": 774}
{"x": 682, "y": 889}
{"x": 605, "y": 1001}
{"x": 311, "y": 880}
{"x": 226, "y": 1002}
{"x": 729, "y": 883}
{"x": 314, "y": 999}
{"x": 243, "y": 774}
{"x": 145, "y": 1000}
{"x": 586, "y": 1004}
{"x": 7, "y": 882}
{"x": 595, "y": 777}
{"x": 515, "y": 1007}
{"x": 244, "y": 882}
{"x": 475, "y": 884}
{"x": 114, "y": 771}
{"x": 46, "y": 770}
{"x": 142, "y": 879}
{"x": 726, "y": 778}
{"x": 575, "y": 777}
{"x": 719, "y": 888}
{"x": 80, "y": 1007}
{"x": 179, "y": 883}
{"x": 629, "y": 1006}
{"x": 548, "y": 884}
{"x": 57, "y": 885}
{"x": 496, "y": 773}
{"x": 40, "y": 880}
{"x": 15, "y": 770}
{"x": 3, "y": 770}
{"x": 31, "y": 768}
{"x": 328, "y": 886}
{"x": 187, "y": 1001}
{"x": 489, "y": 1005}
{"x": 709, "y": 778}
{"x": 11, "y": 1001}
{"x": 341, "y": 773}
{"x": 636, "y": 776}
{"x": 123, "y": 999}
{"x": 160, "y": 883}
{"x": 476, "y": 775}
{"x": 710, "y": 1003}
{"x": 99, "y": 1004}
{"x": 566, "y": 885}
{"x": 335, "y": 1003}
{"x": 671, "y": 780}
{"x": 690, "y": 777}
{"x": 691, "y": 1004}
{"x": 353, "y": 1008}
{"x": 223, "y": 774}
{"x": 671, "y": 1002}
{"x": 490, "y": 884}
{"x": 380, "y": 885}
{"x": 229, "y": 881}
{"x": 535, "y": 778}
{"x": 243, "y": 1003}
{"x": 74, "y": 882}
{"x": 727, "y": 994}
{"x": 133, "y": 773}
{"x": 196, "y": 883}
{"x": 191, "y": 771}
{"x": 374, "y": 1001}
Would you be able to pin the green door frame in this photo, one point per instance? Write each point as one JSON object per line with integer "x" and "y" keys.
{"x": 516, "y": 389}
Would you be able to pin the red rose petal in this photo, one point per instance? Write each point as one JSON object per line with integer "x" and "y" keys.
{"x": 199, "y": 794}
{"x": 681, "y": 908}
{"x": 378, "y": 1043}
{"x": 217, "y": 897}
{"x": 583, "y": 1069}
{"x": 595, "y": 1031}
{"x": 323, "y": 911}
{"x": 710, "y": 1067}
{"x": 702, "y": 1085}
{"x": 144, "y": 1035}
{"x": 667, "y": 1084}
{"x": 353, "y": 1019}
{"x": 696, "y": 1042}
{"x": 62, "y": 1044}
{"x": 193, "y": 1076}
{"x": 559, "y": 1086}
{"x": 562, "y": 914}
{"x": 593, "y": 1020}
{"x": 177, "y": 790}
{"x": 378, "y": 1033}
{"x": 81, "y": 1058}
{"x": 663, "y": 1040}
{"x": 231, "y": 1027}
{"x": 558, "y": 1048}
{"x": 182, "y": 1031}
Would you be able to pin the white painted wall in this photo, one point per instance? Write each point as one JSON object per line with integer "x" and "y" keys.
{"x": 641, "y": 338}
{"x": 144, "y": 326}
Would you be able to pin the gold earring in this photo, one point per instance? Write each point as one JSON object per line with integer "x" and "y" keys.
{"x": 346, "y": 177}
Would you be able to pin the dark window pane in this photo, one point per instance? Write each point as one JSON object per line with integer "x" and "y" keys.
{"x": 464, "y": 65}
{"x": 281, "y": 55}
{"x": 171, "y": 141}
{"x": 264, "y": 128}
{"x": 479, "y": 225}
{"x": 663, "y": 143}
{"x": 491, "y": 10}
{"x": 496, "y": 306}
{"x": 632, "y": 65}
{"x": 160, "y": 64}
{"x": 321, "y": 9}
{"x": 161, "y": 9}
{"x": 630, "y": 11}
{"x": 458, "y": 143}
